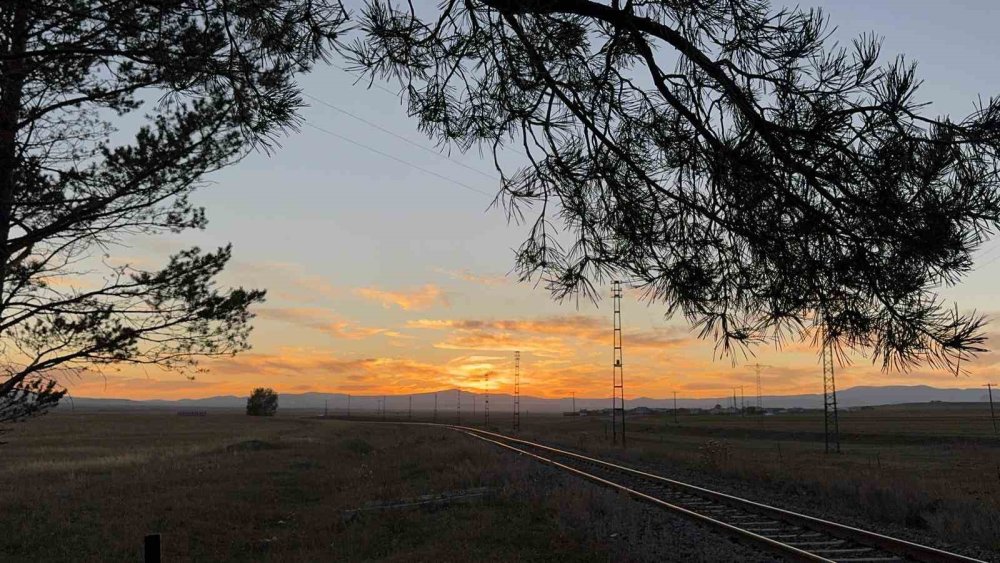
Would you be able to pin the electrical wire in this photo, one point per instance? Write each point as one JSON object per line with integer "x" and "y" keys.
{"x": 399, "y": 160}
{"x": 400, "y": 137}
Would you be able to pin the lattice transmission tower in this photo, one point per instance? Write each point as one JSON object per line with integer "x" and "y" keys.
{"x": 757, "y": 368}
{"x": 618, "y": 381}
{"x": 517, "y": 391}
{"x": 831, "y": 426}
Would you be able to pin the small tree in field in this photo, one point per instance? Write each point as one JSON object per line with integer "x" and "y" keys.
{"x": 262, "y": 402}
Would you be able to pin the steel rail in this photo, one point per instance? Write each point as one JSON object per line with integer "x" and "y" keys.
{"x": 772, "y": 545}
{"x": 889, "y": 544}
{"x": 896, "y": 546}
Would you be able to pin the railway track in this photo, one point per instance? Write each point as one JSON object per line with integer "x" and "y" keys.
{"x": 793, "y": 536}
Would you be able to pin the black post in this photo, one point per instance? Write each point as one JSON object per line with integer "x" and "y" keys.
{"x": 151, "y": 548}
{"x": 993, "y": 414}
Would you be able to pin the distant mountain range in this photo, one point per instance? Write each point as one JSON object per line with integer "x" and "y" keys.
{"x": 447, "y": 401}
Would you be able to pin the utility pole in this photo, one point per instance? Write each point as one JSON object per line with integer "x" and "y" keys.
{"x": 743, "y": 402}
{"x": 435, "y": 407}
{"x": 326, "y": 408}
{"x": 831, "y": 425}
{"x": 517, "y": 390}
{"x": 473, "y": 406}
{"x": 458, "y": 407}
{"x": 574, "y": 401}
{"x": 993, "y": 414}
{"x": 348, "y": 405}
{"x": 486, "y": 405}
{"x": 757, "y": 369}
{"x": 383, "y": 407}
{"x": 675, "y": 407}
{"x": 409, "y": 414}
{"x": 736, "y": 406}
{"x": 617, "y": 377}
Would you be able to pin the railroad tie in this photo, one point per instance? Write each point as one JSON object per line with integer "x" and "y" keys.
{"x": 815, "y": 543}
{"x": 796, "y": 535}
{"x": 843, "y": 550}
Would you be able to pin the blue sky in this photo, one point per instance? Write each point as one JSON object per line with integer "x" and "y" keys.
{"x": 325, "y": 224}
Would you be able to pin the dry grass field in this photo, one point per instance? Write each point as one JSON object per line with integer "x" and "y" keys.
{"x": 87, "y": 486}
{"x": 227, "y": 487}
{"x": 931, "y": 472}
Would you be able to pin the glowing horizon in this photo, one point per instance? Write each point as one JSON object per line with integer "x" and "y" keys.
{"x": 428, "y": 348}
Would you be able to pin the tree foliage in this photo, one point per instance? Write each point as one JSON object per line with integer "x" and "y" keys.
{"x": 262, "y": 402}
{"x": 202, "y": 83}
{"x": 723, "y": 155}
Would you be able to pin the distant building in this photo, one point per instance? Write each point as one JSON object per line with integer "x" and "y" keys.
{"x": 718, "y": 409}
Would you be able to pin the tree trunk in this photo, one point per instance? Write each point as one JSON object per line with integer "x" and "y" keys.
{"x": 12, "y": 76}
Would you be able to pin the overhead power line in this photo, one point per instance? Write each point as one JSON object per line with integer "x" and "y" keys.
{"x": 399, "y": 160}
{"x": 398, "y": 136}
{"x": 987, "y": 263}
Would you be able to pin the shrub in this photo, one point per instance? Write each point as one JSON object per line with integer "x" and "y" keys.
{"x": 262, "y": 402}
{"x": 358, "y": 446}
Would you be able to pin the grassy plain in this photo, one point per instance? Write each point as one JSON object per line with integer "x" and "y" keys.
{"x": 87, "y": 486}
{"x": 227, "y": 487}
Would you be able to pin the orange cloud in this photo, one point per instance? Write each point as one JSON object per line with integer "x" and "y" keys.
{"x": 380, "y": 375}
{"x": 319, "y": 319}
{"x": 560, "y": 355}
{"x": 466, "y": 275}
{"x": 516, "y": 334}
{"x": 305, "y": 369}
{"x": 284, "y": 280}
{"x": 420, "y": 298}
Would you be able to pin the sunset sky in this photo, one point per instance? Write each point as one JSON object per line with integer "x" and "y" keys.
{"x": 383, "y": 278}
